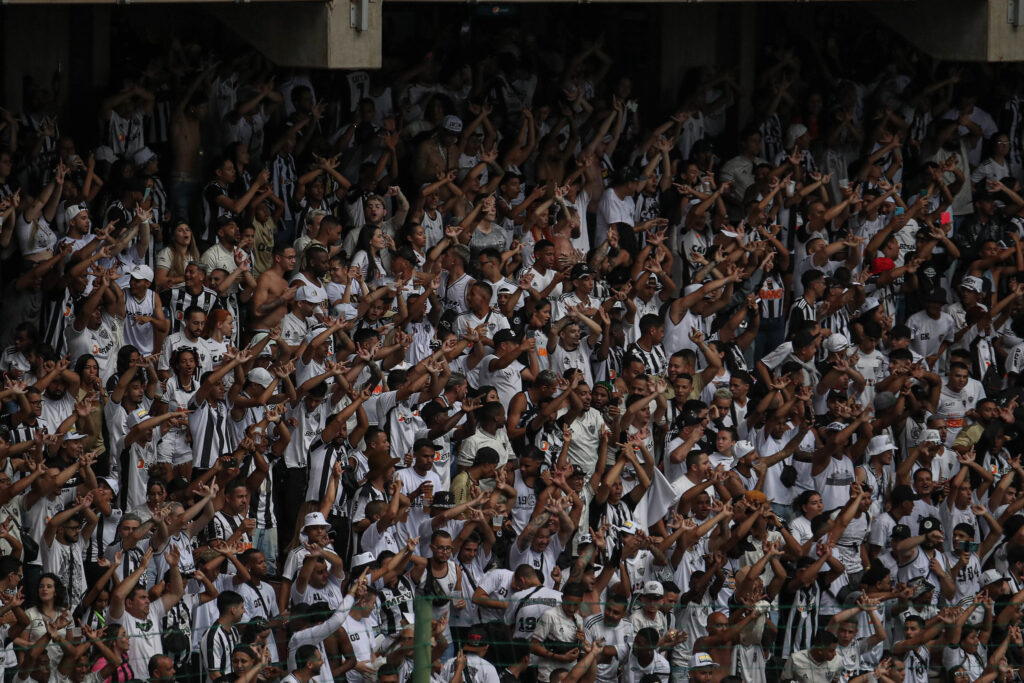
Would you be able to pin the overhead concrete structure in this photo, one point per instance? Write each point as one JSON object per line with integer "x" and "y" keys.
{"x": 322, "y": 35}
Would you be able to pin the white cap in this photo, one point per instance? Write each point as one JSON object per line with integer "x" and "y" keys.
{"x": 879, "y": 444}
{"x": 506, "y": 288}
{"x": 142, "y": 272}
{"x": 742, "y": 448}
{"x": 313, "y": 519}
{"x": 143, "y": 156}
{"x": 653, "y": 588}
{"x": 105, "y": 153}
{"x": 836, "y": 343}
{"x": 313, "y": 295}
{"x": 794, "y": 132}
{"x": 452, "y": 124}
{"x": 690, "y": 289}
{"x": 929, "y": 436}
{"x": 74, "y": 435}
{"x": 702, "y": 660}
{"x": 990, "y": 576}
{"x": 346, "y": 312}
{"x": 363, "y": 559}
{"x": 869, "y": 304}
{"x": 972, "y": 283}
{"x": 729, "y": 233}
{"x": 262, "y": 377}
{"x": 71, "y": 212}
{"x": 112, "y": 483}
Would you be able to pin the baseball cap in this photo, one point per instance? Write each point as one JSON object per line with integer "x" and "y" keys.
{"x": 505, "y": 336}
{"x": 870, "y": 304}
{"x": 363, "y": 559}
{"x": 929, "y": 524}
{"x": 882, "y": 264}
{"x": 653, "y": 588}
{"x": 220, "y": 221}
{"x": 477, "y": 636}
{"x": 742, "y": 448}
{"x": 900, "y": 531}
{"x": 314, "y": 519}
{"x": 443, "y": 500}
{"x": 972, "y": 283}
{"x": 990, "y": 576}
{"x": 628, "y": 527}
{"x": 105, "y": 153}
{"x": 112, "y": 484}
{"x": 580, "y": 270}
{"x": 260, "y": 376}
{"x": 72, "y": 211}
{"x": 628, "y": 174}
{"x": 506, "y": 288}
{"x": 142, "y": 272}
{"x": 702, "y": 660}
{"x": 836, "y": 343}
{"x": 74, "y": 435}
{"x": 452, "y": 124}
{"x": 929, "y": 436}
{"x": 313, "y": 295}
{"x": 794, "y": 132}
{"x": 143, "y": 156}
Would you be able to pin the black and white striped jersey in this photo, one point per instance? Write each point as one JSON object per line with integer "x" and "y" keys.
{"x": 209, "y": 428}
{"x": 772, "y": 295}
{"x": 802, "y": 310}
{"x": 654, "y": 360}
{"x": 178, "y": 300}
{"x": 216, "y": 646}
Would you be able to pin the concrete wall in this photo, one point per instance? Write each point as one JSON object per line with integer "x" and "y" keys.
{"x": 307, "y": 34}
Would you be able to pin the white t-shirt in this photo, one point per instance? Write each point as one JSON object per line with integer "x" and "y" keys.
{"x": 543, "y": 562}
{"x": 145, "y": 635}
{"x": 927, "y": 334}
{"x": 610, "y": 210}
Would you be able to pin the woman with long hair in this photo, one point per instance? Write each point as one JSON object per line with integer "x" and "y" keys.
{"x": 416, "y": 237}
{"x": 483, "y": 232}
{"x": 172, "y": 259}
{"x": 49, "y": 607}
{"x": 369, "y": 256}
{"x": 114, "y": 662}
{"x": 90, "y": 389}
{"x": 156, "y": 496}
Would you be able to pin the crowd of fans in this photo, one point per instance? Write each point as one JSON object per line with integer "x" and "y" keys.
{"x": 626, "y": 390}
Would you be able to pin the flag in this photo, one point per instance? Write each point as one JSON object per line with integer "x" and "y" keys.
{"x": 656, "y": 501}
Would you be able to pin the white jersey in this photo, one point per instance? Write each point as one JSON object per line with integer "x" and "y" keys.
{"x": 139, "y": 335}
{"x": 525, "y": 608}
{"x": 955, "y": 405}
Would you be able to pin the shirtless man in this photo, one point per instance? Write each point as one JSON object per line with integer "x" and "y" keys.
{"x": 270, "y": 302}
{"x": 187, "y": 149}
{"x": 720, "y": 640}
